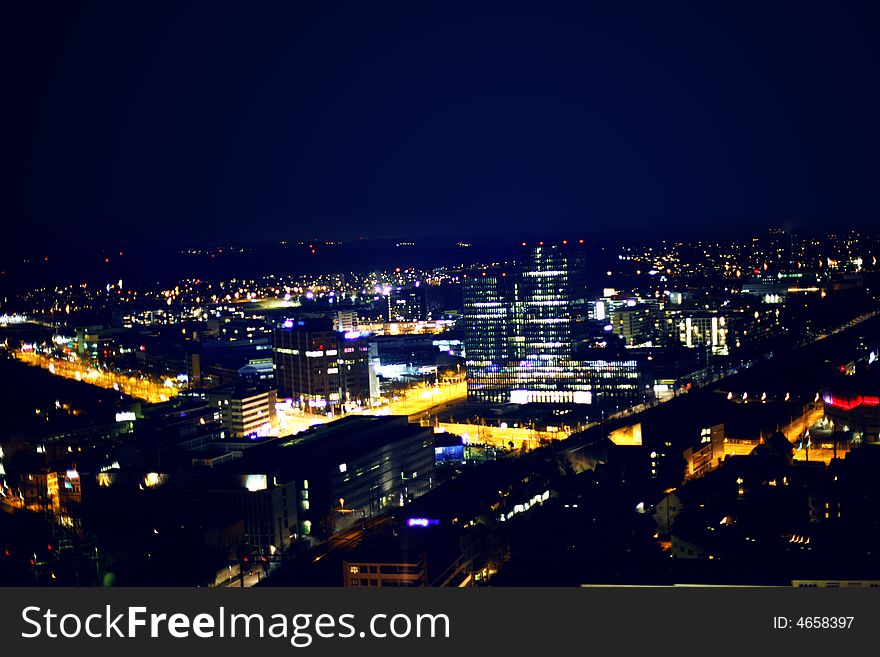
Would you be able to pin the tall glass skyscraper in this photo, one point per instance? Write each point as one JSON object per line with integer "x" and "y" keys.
{"x": 489, "y": 320}
{"x": 518, "y": 330}
{"x": 522, "y": 337}
{"x": 545, "y": 305}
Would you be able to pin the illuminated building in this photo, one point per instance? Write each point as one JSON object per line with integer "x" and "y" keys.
{"x": 854, "y": 407}
{"x": 489, "y": 321}
{"x": 448, "y": 448}
{"x": 723, "y": 331}
{"x": 345, "y": 472}
{"x": 306, "y": 360}
{"x": 407, "y": 570}
{"x": 331, "y": 478}
{"x": 319, "y": 367}
{"x": 544, "y": 306}
{"x": 424, "y": 555}
{"x": 612, "y": 380}
{"x": 245, "y": 412}
{"x": 634, "y": 323}
{"x": 519, "y": 335}
{"x": 775, "y": 288}
{"x": 407, "y": 305}
{"x": 704, "y": 330}
{"x": 258, "y": 371}
{"x": 545, "y": 370}
{"x": 412, "y": 357}
{"x": 345, "y": 320}
{"x": 357, "y": 379}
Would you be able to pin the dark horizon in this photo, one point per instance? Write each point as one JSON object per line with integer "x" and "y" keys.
{"x": 210, "y": 124}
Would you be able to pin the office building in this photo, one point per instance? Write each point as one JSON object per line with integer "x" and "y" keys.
{"x": 634, "y": 323}
{"x": 407, "y": 304}
{"x": 339, "y": 475}
{"x": 345, "y": 321}
{"x": 490, "y": 326}
{"x": 245, "y": 411}
{"x": 319, "y": 368}
{"x": 520, "y": 335}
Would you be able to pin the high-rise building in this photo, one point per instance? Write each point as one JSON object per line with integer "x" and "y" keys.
{"x": 489, "y": 321}
{"x": 545, "y": 314}
{"x": 407, "y": 304}
{"x": 306, "y": 361}
{"x": 357, "y": 379}
{"x": 520, "y": 330}
{"x": 319, "y": 367}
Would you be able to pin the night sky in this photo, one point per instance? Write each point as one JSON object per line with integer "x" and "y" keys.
{"x": 210, "y": 122}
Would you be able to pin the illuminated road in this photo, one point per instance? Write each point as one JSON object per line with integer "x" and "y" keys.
{"x": 416, "y": 403}
{"x": 420, "y": 400}
{"x": 293, "y": 421}
{"x": 848, "y": 325}
{"x": 819, "y": 451}
{"x": 502, "y": 436}
{"x": 230, "y": 577}
{"x": 143, "y": 387}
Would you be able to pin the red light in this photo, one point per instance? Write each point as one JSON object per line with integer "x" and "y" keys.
{"x": 49, "y": 546}
{"x": 854, "y": 402}
{"x": 245, "y": 559}
{"x": 6, "y": 552}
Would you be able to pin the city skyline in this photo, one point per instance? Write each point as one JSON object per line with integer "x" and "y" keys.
{"x": 437, "y": 295}
{"x": 306, "y": 428}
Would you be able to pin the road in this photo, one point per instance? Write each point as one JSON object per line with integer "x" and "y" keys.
{"x": 348, "y": 539}
{"x": 139, "y": 386}
{"x": 230, "y": 577}
{"x": 421, "y": 400}
{"x": 416, "y": 404}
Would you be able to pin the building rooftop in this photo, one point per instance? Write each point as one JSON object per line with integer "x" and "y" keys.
{"x": 330, "y": 444}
